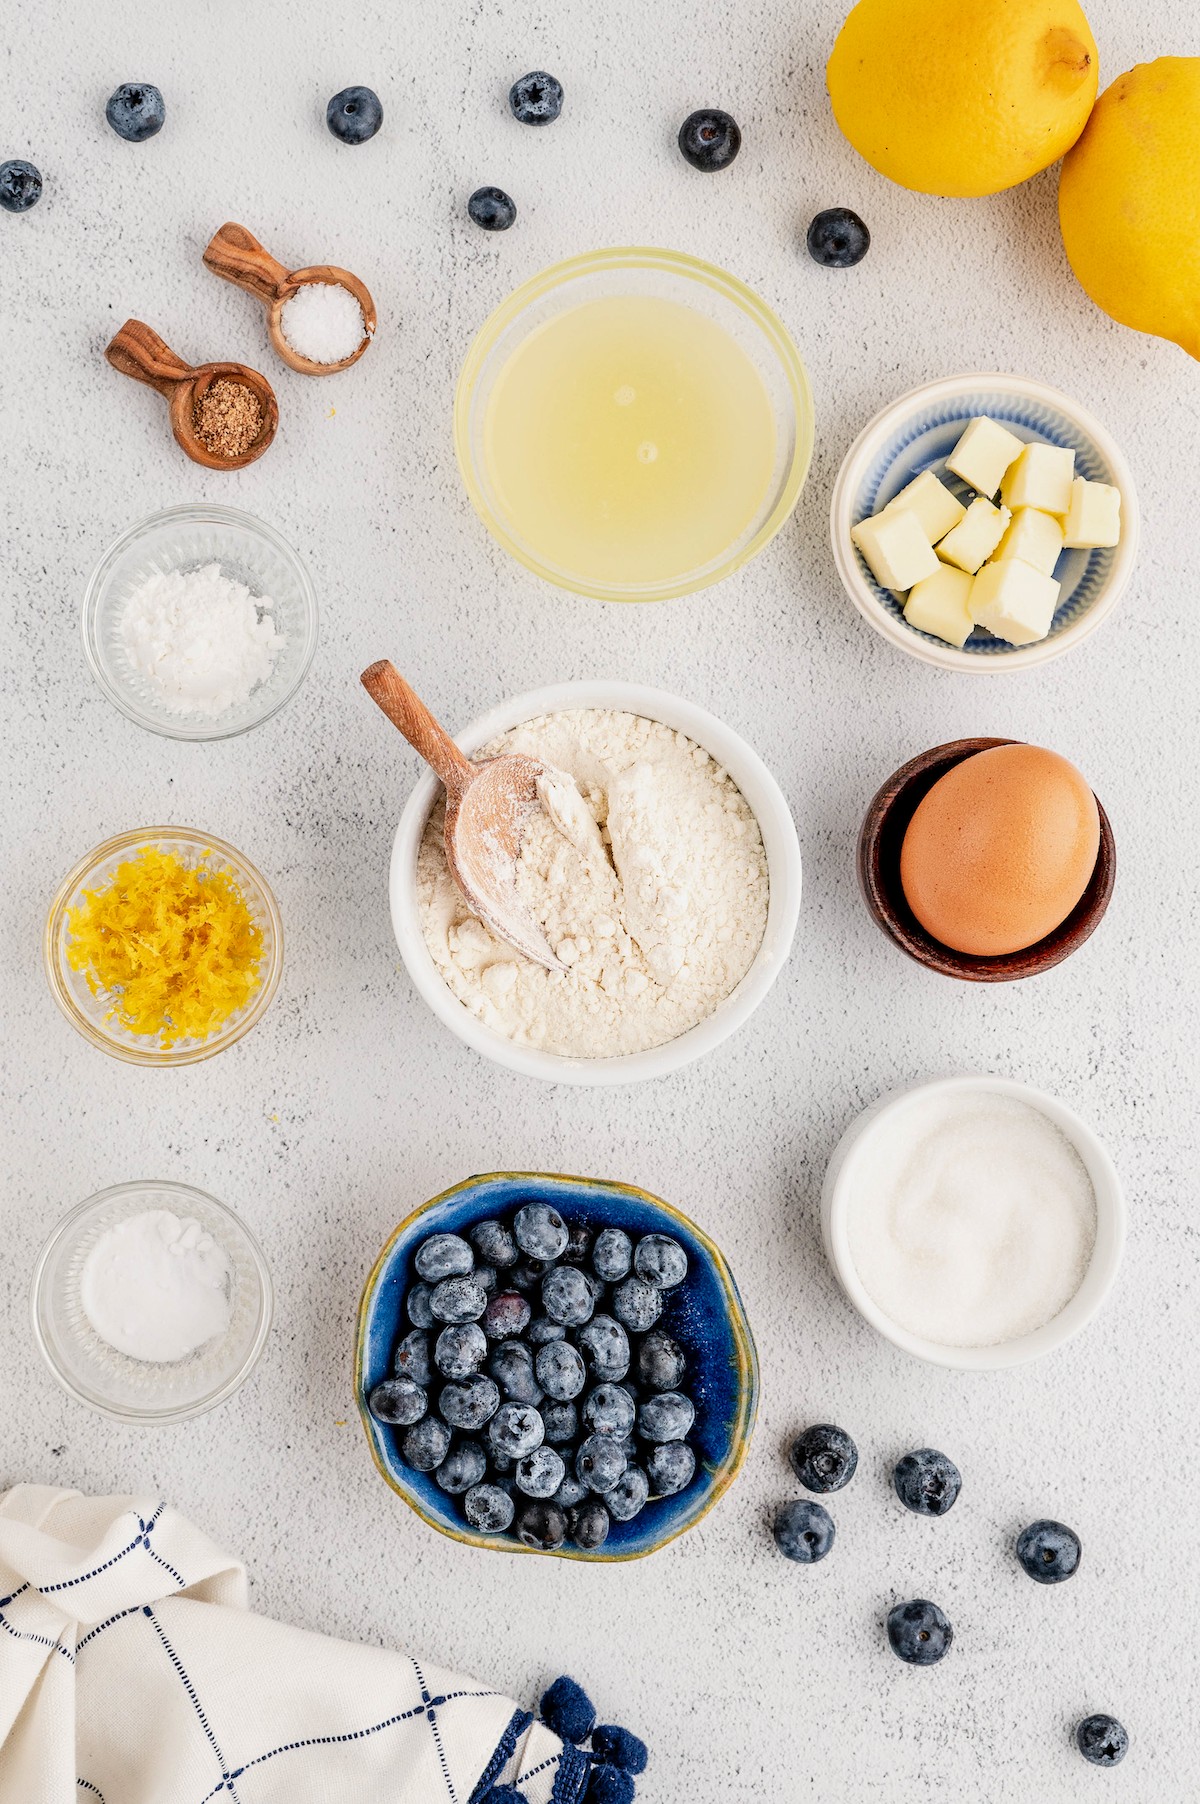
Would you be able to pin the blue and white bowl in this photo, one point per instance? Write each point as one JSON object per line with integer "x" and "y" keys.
{"x": 918, "y": 432}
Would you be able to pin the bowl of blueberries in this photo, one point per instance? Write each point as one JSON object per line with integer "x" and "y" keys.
{"x": 555, "y": 1365}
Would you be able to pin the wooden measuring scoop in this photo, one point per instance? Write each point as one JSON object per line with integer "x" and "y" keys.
{"x": 487, "y": 806}
{"x": 236, "y": 256}
{"x": 139, "y": 352}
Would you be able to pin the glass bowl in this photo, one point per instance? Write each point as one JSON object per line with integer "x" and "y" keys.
{"x": 668, "y": 275}
{"x": 183, "y": 538}
{"x": 88, "y": 1013}
{"x": 134, "y": 1390}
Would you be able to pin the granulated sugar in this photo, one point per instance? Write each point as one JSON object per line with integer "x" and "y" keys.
{"x": 323, "y": 322}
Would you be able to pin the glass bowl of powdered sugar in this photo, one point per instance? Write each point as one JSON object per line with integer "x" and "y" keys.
{"x": 151, "y": 1302}
{"x": 200, "y": 622}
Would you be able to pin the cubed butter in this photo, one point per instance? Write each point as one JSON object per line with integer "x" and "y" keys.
{"x": 896, "y": 548}
{"x": 983, "y": 454}
{"x": 1041, "y": 478}
{"x": 975, "y": 537}
{"x": 1014, "y": 601}
{"x": 936, "y": 506}
{"x": 938, "y": 605}
{"x": 1094, "y": 515}
{"x": 1035, "y": 538}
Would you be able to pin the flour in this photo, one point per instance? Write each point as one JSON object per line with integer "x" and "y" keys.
{"x": 646, "y": 872}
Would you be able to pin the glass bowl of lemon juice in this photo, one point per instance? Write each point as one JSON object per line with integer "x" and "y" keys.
{"x": 633, "y": 424}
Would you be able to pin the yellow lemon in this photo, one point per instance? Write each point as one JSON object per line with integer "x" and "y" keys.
{"x": 1129, "y": 201}
{"x": 953, "y": 98}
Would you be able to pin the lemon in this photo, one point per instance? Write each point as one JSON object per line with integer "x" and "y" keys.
{"x": 953, "y": 98}
{"x": 1129, "y": 201}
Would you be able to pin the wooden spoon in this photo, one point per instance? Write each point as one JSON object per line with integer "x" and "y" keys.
{"x": 139, "y": 352}
{"x": 487, "y": 806}
{"x": 236, "y": 256}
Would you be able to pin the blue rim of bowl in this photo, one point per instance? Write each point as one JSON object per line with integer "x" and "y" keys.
{"x": 741, "y": 1429}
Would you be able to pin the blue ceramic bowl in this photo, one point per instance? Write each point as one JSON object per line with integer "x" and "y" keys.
{"x": 918, "y": 432}
{"x": 704, "y": 1314}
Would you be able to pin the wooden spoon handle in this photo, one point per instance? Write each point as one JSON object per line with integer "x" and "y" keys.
{"x": 405, "y": 709}
{"x": 138, "y": 351}
{"x": 236, "y": 256}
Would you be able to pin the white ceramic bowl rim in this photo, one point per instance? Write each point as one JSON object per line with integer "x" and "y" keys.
{"x": 949, "y": 657}
{"x": 1102, "y": 1269}
{"x": 764, "y": 797}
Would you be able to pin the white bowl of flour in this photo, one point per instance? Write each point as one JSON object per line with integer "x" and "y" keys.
{"x": 674, "y": 894}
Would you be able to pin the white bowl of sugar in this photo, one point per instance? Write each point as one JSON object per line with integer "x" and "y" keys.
{"x": 975, "y": 1222}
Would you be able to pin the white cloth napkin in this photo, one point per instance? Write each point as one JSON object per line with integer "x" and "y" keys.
{"x": 133, "y": 1672}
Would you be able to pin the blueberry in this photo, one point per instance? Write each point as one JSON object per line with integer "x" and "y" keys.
{"x": 918, "y": 1631}
{"x": 568, "y": 1711}
{"x": 612, "y": 1255}
{"x": 487, "y": 1279}
{"x": 527, "y": 1274}
{"x": 1049, "y": 1551}
{"x": 637, "y": 1304}
{"x": 1102, "y": 1740}
{"x": 561, "y": 1422}
{"x": 927, "y": 1482}
{"x": 666, "y": 1417}
{"x": 398, "y": 1401}
{"x": 511, "y": 1365}
{"x": 560, "y": 1370}
{"x": 567, "y": 1296}
{"x": 709, "y": 139}
{"x": 492, "y": 209}
{"x": 600, "y": 1462}
{"x": 570, "y": 1492}
{"x": 412, "y": 1358}
{"x": 609, "y": 1785}
{"x": 589, "y": 1524}
{"x": 579, "y": 1242}
{"x": 506, "y": 1314}
{"x": 838, "y": 239}
{"x": 670, "y": 1468}
{"x": 803, "y": 1531}
{"x": 824, "y": 1458}
{"x": 625, "y": 1499}
{"x": 536, "y": 99}
{"x": 540, "y": 1231}
{"x": 516, "y": 1429}
{"x": 20, "y": 185}
{"x": 354, "y": 115}
{"x": 660, "y": 1261}
{"x": 660, "y": 1362}
{"x": 470, "y": 1404}
{"x": 458, "y": 1300}
{"x": 541, "y": 1525}
{"x": 542, "y": 1331}
{"x": 489, "y": 1509}
{"x": 493, "y": 1242}
{"x": 540, "y": 1473}
{"x": 609, "y": 1410}
{"x": 463, "y": 1467}
{"x": 605, "y": 1347}
{"x": 619, "y": 1748}
{"x": 461, "y": 1349}
{"x": 426, "y": 1444}
{"x": 418, "y": 1304}
{"x": 136, "y": 111}
{"x": 444, "y": 1256}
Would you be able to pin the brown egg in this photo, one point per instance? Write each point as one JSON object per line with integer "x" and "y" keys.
{"x": 1000, "y": 850}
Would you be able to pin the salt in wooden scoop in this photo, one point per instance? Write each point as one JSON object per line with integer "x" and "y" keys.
{"x": 236, "y": 256}
{"x": 487, "y": 807}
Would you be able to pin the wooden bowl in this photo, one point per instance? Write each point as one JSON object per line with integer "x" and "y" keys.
{"x": 236, "y": 256}
{"x": 879, "y": 842}
{"x": 137, "y": 351}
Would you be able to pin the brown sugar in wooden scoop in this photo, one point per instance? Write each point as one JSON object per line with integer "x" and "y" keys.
{"x": 200, "y": 420}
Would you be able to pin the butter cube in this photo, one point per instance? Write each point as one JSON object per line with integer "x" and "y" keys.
{"x": 1014, "y": 601}
{"x": 938, "y": 605}
{"x": 1035, "y": 538}
{"x": 975, "y": 537}
{"x": 1041, "y": 478}
{"x": 936, "y": 506}
{"x": 983, "y": 454}
{"x": 896, "y": 548}
{"x": 1094, "y": 515}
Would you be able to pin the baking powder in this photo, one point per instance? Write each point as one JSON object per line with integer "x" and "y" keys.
{"x": 156, "y": 1287}
{"x": 200, "y": 639}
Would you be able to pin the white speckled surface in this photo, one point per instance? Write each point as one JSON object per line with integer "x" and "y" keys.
{"x": 750, "y": 1679}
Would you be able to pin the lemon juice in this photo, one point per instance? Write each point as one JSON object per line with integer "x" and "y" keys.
{"x": 629, "y": 441}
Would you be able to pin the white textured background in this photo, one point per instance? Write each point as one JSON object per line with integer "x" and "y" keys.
{"x": 751, "y": 1679}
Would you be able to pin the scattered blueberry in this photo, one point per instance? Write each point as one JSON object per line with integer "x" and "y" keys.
{"x": 660, "y": 1261}
{"x": 1049, "y": 1551}
{"x": 489, "y": 1509}
{"x": 493, "y": 1242}
{"x": 540, "y": 1473}
{"x": 426, "y": 1444}
{"x": 516, "y": 1429}
{"x": 668, "y": 1416}
{"x": 661, "y": 1363}
{"x": 506, "y": 1314}
{"x": 412, "y": 1358}
{"x": 20, "y": 185}
{"x": 570, "y": 1492}
{"x": 458, "y": 1300}
{"x": 492, "y": 209}
{"x": 600, "y": 1462}
{"x": 542, "y": 1330}
{"x": 469, "y": 1405}
{"x": 561, "y": 1422}
{"x": 838, "y": 239}
{"x": 398, "y": 1401}
{"x": 625, "y": 1499}
{"x": 637, "y": 1305}
{"x": 927, "y": 1482}
{"x": 354, "y": 115}
{"x": 589, "y": 1524}
{"x": 612, "y": 1255}
{"x": 540, "y": 1231}
{"x": 605, "y": 1346}
{"x": 1102, "y": 1740}
{"x": 542, "y": 1526}
{"x": 463, "y": 1467}
{"x": 536, "y": 99}
{"x": 609, "y": 1410}
{"x": 670, "y": 1468}
{"x": 824, "y": 1458}
{"x": 444, "y": 1256}
{"x": 709, "y": 139}
{"x": 136, "y": 111}
{"x": 418, "y": 1303}
{"x": 460, "y": 1350}
{"x": 919, "y": 1632}
{"x": 619, "y": 1747}
{"x": 803, "y": 1531}
{"x": 568, "y": 1296}
{"x": 511, "y": 1365}
{"x": 560, "y": 1370}
{"x": 608, "y": 1785}
{"x": 568, "y": 1711}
